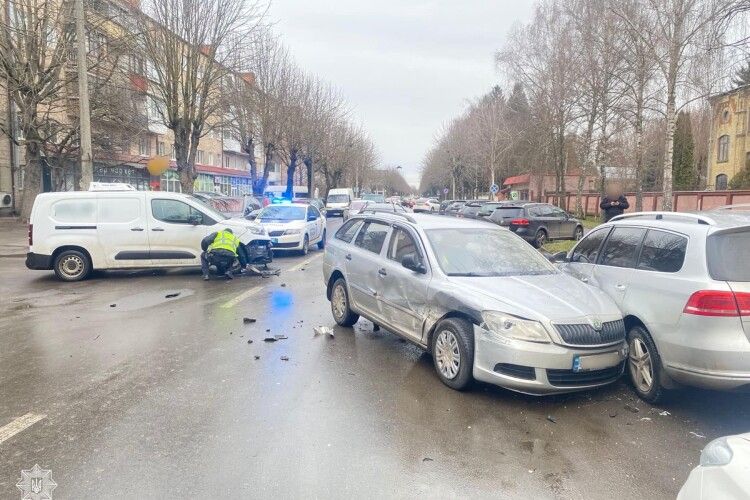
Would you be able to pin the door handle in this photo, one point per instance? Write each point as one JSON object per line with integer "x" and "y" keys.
{"x": 136, "y": 229}
{"x": 620, "y": 286}
{"x": 158, "y": 229}
{"x": 348, "y": 256}
{"x": 585, "y": 280}
{"x": 382, "y": 272}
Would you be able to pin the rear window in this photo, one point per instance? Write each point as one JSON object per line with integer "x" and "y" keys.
{"x": 506, "y": 213}
{"x": 727, "y": 255}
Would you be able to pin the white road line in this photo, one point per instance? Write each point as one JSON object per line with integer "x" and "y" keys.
{"x": 18, "y": 425}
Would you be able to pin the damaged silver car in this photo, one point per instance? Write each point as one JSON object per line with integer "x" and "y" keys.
{"x": 485, "y": 304}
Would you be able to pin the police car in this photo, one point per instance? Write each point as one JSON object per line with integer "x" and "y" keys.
{"x": 293, "y": 226}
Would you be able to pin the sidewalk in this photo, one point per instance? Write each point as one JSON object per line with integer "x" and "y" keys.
{"x": 13, "y": 238}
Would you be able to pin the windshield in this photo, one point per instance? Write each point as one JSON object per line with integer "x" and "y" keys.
{"x": 338, "y": 198}
{"x": 485, "y": 252}
{"x": 727, "y": 255}
{"x": 374, "y": 197}
{"x": 207, "y": 209}
{"x": 282, "y": 213}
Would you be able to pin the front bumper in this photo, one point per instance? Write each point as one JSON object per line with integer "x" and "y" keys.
{"x": 540, "y": 369}
{"x": 288, "y": 242}
{"x": 38, "y": 262}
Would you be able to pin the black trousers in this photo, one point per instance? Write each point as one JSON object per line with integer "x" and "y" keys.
{"x": 222, "y": 259}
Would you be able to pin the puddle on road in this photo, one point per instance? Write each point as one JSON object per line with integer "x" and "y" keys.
{"x": 148, "y": 299}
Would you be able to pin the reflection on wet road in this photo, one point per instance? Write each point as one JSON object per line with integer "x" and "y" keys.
{"x": 165, "y": 395}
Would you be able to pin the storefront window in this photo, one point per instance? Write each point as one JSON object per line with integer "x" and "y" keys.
{"x": 136, "y": 177}
{"x": 170, "y": 181}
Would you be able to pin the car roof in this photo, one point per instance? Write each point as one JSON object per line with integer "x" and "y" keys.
{"x": 426, "y": 221}
{"x": 685, "y": 222}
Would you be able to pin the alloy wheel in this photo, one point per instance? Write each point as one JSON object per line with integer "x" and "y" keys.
{"x": 578, "y": 234}
{"x": 447, "y": 354}
{"x": 338, "y": 302}
{"x": 639, "y": 362}
{"x": 541, "y": 238}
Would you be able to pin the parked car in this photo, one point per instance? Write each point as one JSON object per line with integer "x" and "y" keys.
{"x": 316, "y": 202}
{"x": 723, "y": 472}
{"x": 683, "y": 283}
{"x": 538, "y": 223}
{"x": 426, "y": 205}
{"x": 444, "y": 205}
{"x": 455, "y": 207}
{"x": 470, "y": 209}
{"x": 354, "y": 207}
{"x": 377, "y": 198}
{"x": 488, "y": 208}
{"x": 338, "y": 200}
{"x": 483, "y": 302}
{"x": 294, "y": 226}
{"x": 74, "y": 233}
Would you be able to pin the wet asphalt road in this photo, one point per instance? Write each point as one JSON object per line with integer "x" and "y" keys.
{"x": 164, "y": 398}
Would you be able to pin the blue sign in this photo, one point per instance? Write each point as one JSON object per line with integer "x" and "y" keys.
{"x": 494, "y": 188}
{"x": 445, "y": 190}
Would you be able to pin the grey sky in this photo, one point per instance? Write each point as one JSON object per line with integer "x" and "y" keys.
{"x": 405, "y": 66}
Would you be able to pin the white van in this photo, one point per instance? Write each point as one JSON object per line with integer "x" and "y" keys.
{"x": 338, "y": 200}
{"x": 74, "y": 233}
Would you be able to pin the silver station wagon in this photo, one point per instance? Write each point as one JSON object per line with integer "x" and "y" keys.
{"x": 479, "y": 298}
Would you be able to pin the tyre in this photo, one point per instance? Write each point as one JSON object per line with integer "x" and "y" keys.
{"x": 644, "y": 365}
{"x": 342, "y": 312}
{"x": 578, "y": 233}
{"x": 453, "y": 352}
{"x": 540, "y": 238}
{"x": 72, "y": 265}
{"x": 305, "y": 245}
{"x": 322, "y": 242}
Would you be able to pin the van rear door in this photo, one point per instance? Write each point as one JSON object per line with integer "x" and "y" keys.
{"x": 123, "y": 229}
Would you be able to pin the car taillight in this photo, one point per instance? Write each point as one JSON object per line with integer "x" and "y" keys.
{"x": 718, "y": 303}
{"x": 520, "y": 222}
{"x": 31, "y": 234}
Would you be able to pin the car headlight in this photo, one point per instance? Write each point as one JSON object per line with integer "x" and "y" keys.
{"x": 292, "y": 231}
{"x": 515, "y": 328}
{"x": 257, "y": 230}
{"x": 717, "y": 452}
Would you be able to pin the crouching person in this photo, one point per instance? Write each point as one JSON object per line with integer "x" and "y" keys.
{"x": 221, "y": 249}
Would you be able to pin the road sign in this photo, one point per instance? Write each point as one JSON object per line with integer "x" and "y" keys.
{"x": 494, "y": 188}
{"x": 445, "y": 190}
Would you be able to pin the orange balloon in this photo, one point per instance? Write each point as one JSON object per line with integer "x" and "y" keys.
{"x": 157, "y": 165}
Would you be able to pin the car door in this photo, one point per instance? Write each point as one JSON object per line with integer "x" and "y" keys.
{"x": 315, "y": 223}
{"x": 364, "y": 262}
{"x": 547, "y": 216}
{"x": 403, "y": 292}
{"x": 614, "y": 270}
{"x": 582, "y": 259}
{"x": 566, "y": 224}
{"x": 122, "y": 229}
{"x": 176, "y": 229}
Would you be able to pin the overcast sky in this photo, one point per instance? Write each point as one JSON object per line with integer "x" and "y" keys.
{"x": 405, "y": 66}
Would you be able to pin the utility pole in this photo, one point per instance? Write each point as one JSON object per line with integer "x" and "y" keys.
{"x": 87, "y": 163}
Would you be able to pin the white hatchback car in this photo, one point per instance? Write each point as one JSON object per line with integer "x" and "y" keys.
{"x": 294, "y": 226}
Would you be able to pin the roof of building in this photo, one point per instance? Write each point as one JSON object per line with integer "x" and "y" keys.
{"x": 741, "y": 88}
{"x": 517, "y": 179}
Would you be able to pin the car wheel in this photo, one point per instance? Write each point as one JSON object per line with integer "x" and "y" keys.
{"x": 342, "y": 313}
{"x": 322, "y": 242}
{"x": 644, "y": 365}
{"x": 578, "y": 233}
{"x": 453, "y": 352}
{"x": 305, "y": 245}
{"x": 540, "y": 238}
{"x": 72, "y": 265}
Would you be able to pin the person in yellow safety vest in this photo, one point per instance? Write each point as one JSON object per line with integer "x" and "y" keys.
{"x": 220, "y": 248}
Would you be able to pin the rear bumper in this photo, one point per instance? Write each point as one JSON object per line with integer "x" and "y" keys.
{"x": 37, "y": 261}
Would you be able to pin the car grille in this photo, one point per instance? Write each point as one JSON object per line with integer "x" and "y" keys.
{"x": 276, "y": 233}
{"x": 568, "y": 378}
{"x": 285, "y": 245}
{"x": 516, "y": 371}
{"x": 585, "y": 334}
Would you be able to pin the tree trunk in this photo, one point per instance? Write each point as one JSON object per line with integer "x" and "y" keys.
{"x": 185, "y": 168}
{"x": 261, "y": 184}
{"x": 666, "y": 203}
{"x": 290, "y": 169}
{"x": 32, "y": 179}
{"x": 309, "y": 165}
{"x": 249, "y": 148}
{"x": 639, "y": 156}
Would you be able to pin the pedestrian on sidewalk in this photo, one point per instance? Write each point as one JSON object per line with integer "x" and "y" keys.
{"x": 614, "y": 202}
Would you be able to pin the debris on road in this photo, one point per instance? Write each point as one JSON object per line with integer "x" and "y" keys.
{"x": 257, "y": 357}
{"x": 284, "y": 358}
{"x": 664, "y": 413}
{"x": 632, "y": 409}
{"x": 323, "y": 330}
{"x": 283, "y": 285}
{"x": 699, "y": 436}
{"x": 113, "y": 305}
{"x": 612, "y": 414}
{"x": 645, "y": 419}
{"x": 280, "y": 337}
{"x": 250, "y": 341}
{"x": 172, "y": 295}
{"x": 551, "y": 419}
{"x": 248, "y": 320}
{"x": 427, "y": 459}
{"x": 270, "y": 339}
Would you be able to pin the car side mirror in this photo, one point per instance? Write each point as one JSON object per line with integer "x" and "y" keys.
{"x": 559, "y": 257}
{"x": 195, "y": 219}
{"x": 411, "y": 262}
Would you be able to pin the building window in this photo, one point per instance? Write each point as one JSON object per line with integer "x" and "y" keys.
{"x": 170, "y": 181}
{"x": 722, "y": 153}
{"x": 144, "y": 146}
{"x": 200, "y": 157}
{"x": 721, "y": 182}
{"x": 161, "y": 148}
{"x": 725, "y": 116}
{"x": 136, "y": 65}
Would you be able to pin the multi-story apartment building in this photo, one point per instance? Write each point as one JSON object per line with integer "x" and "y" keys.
{"x": 729, "y": 145}
{"x": 220, "y": 163}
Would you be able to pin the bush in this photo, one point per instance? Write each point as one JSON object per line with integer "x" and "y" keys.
{"x": 741, "y": 180}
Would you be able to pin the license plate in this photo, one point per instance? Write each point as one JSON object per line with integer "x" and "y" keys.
{"x": 595, "y": 361}
{"x": 274, "y": 240}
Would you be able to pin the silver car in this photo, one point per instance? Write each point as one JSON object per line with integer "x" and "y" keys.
{"x": 682, "y": 282}
{"x": 480, "y": 299}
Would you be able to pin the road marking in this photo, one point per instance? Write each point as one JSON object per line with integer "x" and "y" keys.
{"x": 304, "y": 264}
{"x": 243, "y": 296}
{"x": 18, "y": 425}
